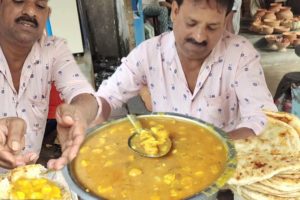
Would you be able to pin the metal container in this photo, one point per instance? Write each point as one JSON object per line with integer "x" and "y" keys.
{"x": 207, "y": 194}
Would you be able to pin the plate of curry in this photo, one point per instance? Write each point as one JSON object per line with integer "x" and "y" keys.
{"x": 200, "y": 162}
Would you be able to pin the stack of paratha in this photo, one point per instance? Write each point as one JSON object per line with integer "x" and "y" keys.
{"x": 269, "y": 165}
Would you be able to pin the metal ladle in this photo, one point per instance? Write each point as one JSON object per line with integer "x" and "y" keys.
{"x": 133, "y": 140}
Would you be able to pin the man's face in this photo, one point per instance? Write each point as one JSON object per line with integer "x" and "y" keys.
{"x": 197, "y": 28}
{"x": 23, "y": 21}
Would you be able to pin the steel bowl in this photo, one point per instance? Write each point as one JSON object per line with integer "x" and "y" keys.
{"x": 206, "y": 194}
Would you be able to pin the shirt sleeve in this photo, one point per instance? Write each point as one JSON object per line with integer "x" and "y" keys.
{"x": 252, "y": 92}
{"x": 127, "y": 80}
{"x": 236, "y": 5}
{"x": 66, "y": 74}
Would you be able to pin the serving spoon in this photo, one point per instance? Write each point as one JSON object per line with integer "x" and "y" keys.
{"x": 134, "y": 140}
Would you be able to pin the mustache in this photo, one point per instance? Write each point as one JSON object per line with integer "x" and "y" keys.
{"x": 27, "y": 18}
{"x": 199, "y": 44}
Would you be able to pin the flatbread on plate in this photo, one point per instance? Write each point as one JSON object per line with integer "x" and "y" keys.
{"x": 252, "y": 195}
{"x": 277, "y": 138}
{"x": 288, "y": 118}
{"x": 258, "y": 166}
{"x": 290, "y": 174}
{"x": 261, "y": 188}
{"x": 283, "y": 184}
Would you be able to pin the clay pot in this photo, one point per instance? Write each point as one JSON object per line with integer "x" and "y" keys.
{"x": 282, "y": 44}
{"x": 269, "y": 15}
{"x": 291, "y": 36}
{"x": 275, "y": 7}
{"x": 281, "y": 29}
{"x": 272, "y": 22}
{"x": 267, "y": 29}
{"x": 286, "y": 23}
{"x": 296, "y": 42}
{"x": 256, "y": 28}
{"x": 276, "y": 4}
{"x": 259, "y": 13}
{"x": 284, "y": 13}
{"x": 271, "y": 39}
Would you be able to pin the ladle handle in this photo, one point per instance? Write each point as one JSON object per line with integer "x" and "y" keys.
{"x": 135, "y": 122}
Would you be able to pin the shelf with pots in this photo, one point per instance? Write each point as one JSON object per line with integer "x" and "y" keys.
{"x": 283, "y": 41}
{"x": 276, "y": 20}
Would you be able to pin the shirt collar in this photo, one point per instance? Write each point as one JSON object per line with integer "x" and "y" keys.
{"x": 218, "y": 53}
{"x": 216, "y": 56}
{"x": 169, "y": 50}
{"x": 34, "y": 55}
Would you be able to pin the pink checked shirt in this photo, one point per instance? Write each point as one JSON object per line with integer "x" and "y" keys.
{"x": 49, "y": 61}
{"x": 230, "y": 92}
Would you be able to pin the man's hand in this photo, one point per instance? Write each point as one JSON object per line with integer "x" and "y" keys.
{"x": 241, "y": 133}
{"x": 71, "y": 127}
{"x": 12, "y": 141}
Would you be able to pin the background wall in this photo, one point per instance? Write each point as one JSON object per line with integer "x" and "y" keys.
{"x": 65, "y": 23}
{"x": 102, "y": 24}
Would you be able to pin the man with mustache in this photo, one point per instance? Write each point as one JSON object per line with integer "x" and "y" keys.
{"x": 199, "y": 69}
{"x": 29, "y": 63}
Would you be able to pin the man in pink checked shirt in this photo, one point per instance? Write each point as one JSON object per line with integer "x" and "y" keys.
{"x": 199, "y": 69}
{"x": 29, "y": 63}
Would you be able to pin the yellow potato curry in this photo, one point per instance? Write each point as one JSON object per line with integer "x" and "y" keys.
{"x": 152, "y": 141}
{"x": 108, "y": 168}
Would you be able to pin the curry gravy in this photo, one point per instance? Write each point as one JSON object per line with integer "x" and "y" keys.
{"x": 107, "y": 167}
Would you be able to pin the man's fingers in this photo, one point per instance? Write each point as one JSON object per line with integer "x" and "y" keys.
{"x": 2, "y": 138}
{"x": 65, "y": 114}
{"x": 28, "y": 158}
{"x": 7, "y": 160}
{"x": 3, "y": 133}
{"x": 16, "y": 131}
{"x": 58, "y": 164}
{"x": 77, "y": 141}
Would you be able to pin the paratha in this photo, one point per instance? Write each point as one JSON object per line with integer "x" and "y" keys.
{"x": 283, "y": 184}
{"x": 277, "y": 138}
{"x": 258, "y": 166}
{"x": 269, "y": 165}
{"x": 289, "y": 174}
{"x": 288, "y": 118}
{"x": 261, "y": 188}
{"x": 252, "y": 195}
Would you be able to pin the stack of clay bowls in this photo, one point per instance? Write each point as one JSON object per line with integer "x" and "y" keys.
{"x": 297, "y": 41}
{"x": 277, "y": 19}
{"x": 293, "y": 37}
{"x": 277, "y": 42}
{"x": 282, "y": 41}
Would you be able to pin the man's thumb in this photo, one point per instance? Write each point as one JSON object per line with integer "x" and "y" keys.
{"x": 64, "y": 115}
{"x": 16, "y": 131}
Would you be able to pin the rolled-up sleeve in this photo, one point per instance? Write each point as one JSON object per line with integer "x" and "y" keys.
{"x": 67, "y": 76}
{"x": 126, "y": 82}
{"x": 253, "y": 93}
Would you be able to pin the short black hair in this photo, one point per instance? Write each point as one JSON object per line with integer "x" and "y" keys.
{"x": 228, "y": 4}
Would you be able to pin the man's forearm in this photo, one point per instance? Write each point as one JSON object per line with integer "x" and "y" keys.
{"x": 88, "y": 106}
{"x": 105, "y": 113}
{"x": 106, "y": 109}
{"x": 241, "y": 133}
